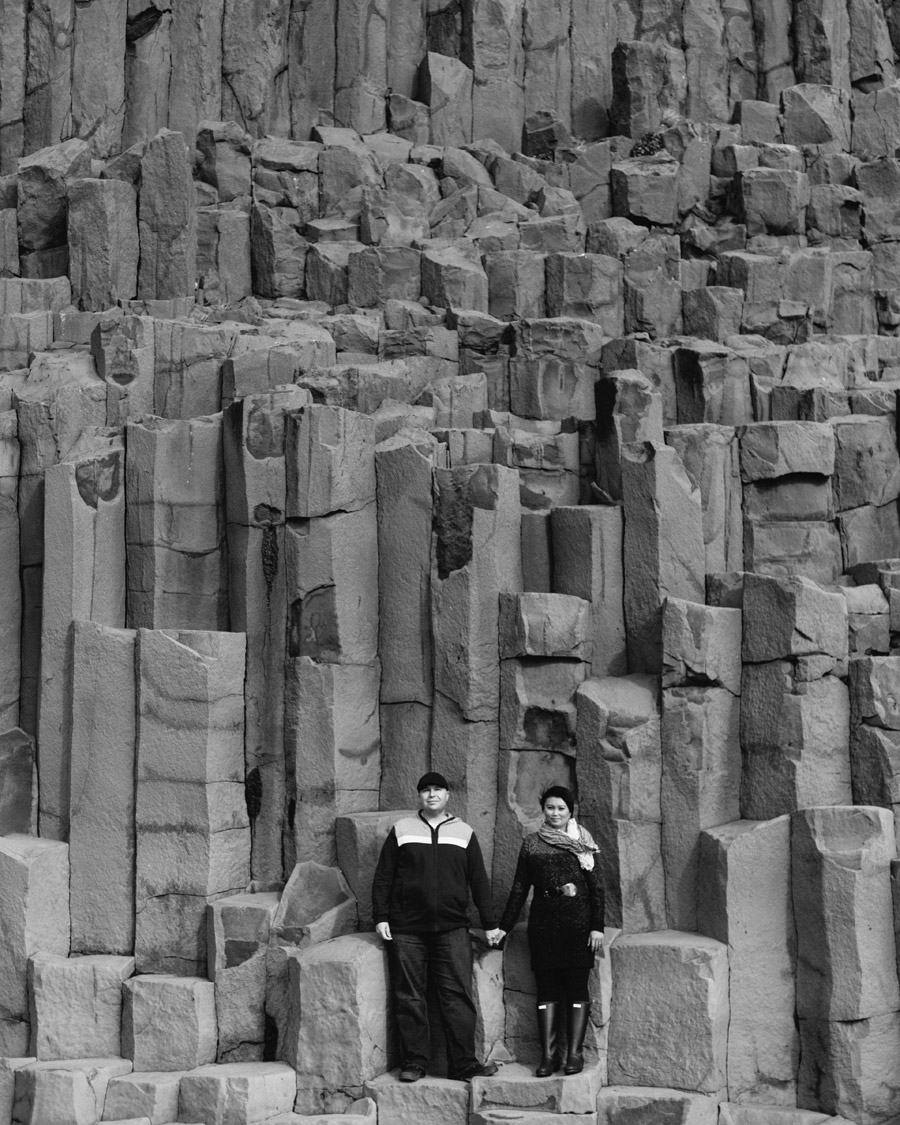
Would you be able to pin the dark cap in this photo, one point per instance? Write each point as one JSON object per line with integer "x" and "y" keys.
{"x": 428, "y": 779}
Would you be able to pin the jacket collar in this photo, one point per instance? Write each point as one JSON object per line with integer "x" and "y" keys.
{"x": 447, "y": 818}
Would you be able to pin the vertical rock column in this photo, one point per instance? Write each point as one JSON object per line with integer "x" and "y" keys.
{"x": 332, "y": 671}
{"x": 847, "y": 990}
{"x": 663, "y": 545}
{"x": 361, "y": 64}
{"x": 193, "y": 834}
{"x": 195, "y": 86}
{"x": 101, "y": 754}
{"x": 493, "y": 48}
{"x": 13, "y": 31}
{"x": 34, "y": 917}
{"x": 795, "y": 714}
{"x": 875, "y": 732}
{"x": 744, "y": 901}
{"x": 701, "y": 747}
{"x": 709, "y": 454}
{"x": 167, "y": 220}
{"x": 48, "y": 74}
{"x": 544, "y": 645}
{"x": 786, "y": 470}
{"x": 256, "y": 502}
{"x": 98, "y": 75}
{"x": 174, "y": 525}
{"x": 587, "y": 563}
{"x": 403, "y": 470}
{"x": 61, "y": 406}
{"x": 84, "y": 577}
{"x": 619, "y": 769}
{"x": 311, "y": 63}
{"x": 103, "y": 242}
{"x": 477, "y": 528}
{"x": 10, "y": 591}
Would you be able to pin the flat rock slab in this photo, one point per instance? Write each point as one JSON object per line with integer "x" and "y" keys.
{"x": 237, "y": 1093}
{"x": 730, "y": 1113}
{"x": 645, "y": 1105}
{"x": 515, "y": 1087}
{"x": 439, "y": 1101}
{"x": 152, "y": 1094}
{"x": 70, "y": 1092}
{"x": 530, "y": 1117}
{"x": 361, "y": 1112}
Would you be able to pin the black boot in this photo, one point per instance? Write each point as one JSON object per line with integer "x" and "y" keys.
{"x": 546, "y": 1021}
{"x": 576, "y": 1026}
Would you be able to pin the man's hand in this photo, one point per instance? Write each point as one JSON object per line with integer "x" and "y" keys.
{"x": 494, "y": 937}
{"x": 595, "y": 941}
{"x": 383, "y": 930}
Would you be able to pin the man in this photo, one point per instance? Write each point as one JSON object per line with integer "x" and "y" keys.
{"x": 428, "y": 865}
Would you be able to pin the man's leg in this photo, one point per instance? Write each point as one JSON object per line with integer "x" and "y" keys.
{"x": 451, "y": 963}
{"x": 408, "y": 960}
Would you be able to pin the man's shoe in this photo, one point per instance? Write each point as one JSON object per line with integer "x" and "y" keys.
{"x": 484, "y": 1070}
{"x": 411, "y": 1074}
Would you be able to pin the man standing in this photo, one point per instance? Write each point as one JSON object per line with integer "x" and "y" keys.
{"x": 420, "y": 896}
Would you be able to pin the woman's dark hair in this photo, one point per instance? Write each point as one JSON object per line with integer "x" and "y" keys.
{"x": 561, "y": 792}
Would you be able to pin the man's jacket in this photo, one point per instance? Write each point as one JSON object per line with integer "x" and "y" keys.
{"x": 424, "y": 876}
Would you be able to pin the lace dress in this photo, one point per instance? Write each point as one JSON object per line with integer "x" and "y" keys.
{"x": 558, "y": 927}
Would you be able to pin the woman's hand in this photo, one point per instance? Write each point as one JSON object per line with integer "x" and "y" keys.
{"x": 495, "y": 937}
{"x": 595, "y": 941}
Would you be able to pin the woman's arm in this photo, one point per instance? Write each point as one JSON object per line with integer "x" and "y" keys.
{"x": 518, "y": 892}
{"x": 594, "y": 881}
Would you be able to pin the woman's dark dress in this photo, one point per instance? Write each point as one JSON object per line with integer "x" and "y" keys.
{"x": 558, "y": 927}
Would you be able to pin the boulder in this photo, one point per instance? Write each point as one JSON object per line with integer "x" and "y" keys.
{"x": 168, "y": 1022}
{"x": 76, "y": 1005}
{"x": 670, "y": 1011}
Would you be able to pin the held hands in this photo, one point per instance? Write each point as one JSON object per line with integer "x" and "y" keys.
{"x": 383, "y": 930}
{"x": 494, "y": 937}
{"x": 595, "y": 941}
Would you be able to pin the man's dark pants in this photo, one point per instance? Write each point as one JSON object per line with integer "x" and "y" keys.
{"x": 446, "y": 959}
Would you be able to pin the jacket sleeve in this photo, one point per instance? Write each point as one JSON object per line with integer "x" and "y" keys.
{"x": 478, "y": 883}
{"x": 518, "y": 892}
{"x": 594, "y": 881}
{"x": 384, "y": 877}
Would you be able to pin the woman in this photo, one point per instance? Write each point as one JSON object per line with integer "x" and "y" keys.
{"x": 565, "y": 926}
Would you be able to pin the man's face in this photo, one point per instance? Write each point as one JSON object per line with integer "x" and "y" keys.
{"x": 433, "y": 799}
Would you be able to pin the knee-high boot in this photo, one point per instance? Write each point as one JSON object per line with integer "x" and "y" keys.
{"x": 546, "y": 1021}
{"x": 576, "y": 1025}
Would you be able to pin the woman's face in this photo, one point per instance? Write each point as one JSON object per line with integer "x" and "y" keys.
{"x": 556, "y": 812}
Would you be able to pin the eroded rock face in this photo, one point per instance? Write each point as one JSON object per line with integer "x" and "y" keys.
{"x": 557, "y": 350}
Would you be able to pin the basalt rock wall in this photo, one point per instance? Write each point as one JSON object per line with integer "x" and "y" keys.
{"x": 499, "y": 389}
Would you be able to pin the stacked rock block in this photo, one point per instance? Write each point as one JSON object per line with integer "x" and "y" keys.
{"x": 498, "y": 390}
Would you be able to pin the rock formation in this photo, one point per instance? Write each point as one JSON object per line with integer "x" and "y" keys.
{"x": 506, "y": 388}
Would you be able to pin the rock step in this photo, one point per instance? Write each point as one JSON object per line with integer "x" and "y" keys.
{"x": 530, "y": 1117}
{"x": 515, "y": 1087}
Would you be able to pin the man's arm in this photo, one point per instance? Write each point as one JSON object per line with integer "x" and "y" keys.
{"x": 479, "y": 885}
{"x": 384, "y": 877}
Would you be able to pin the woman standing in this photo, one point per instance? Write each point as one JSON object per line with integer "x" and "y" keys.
{"x": 565, "y": 925}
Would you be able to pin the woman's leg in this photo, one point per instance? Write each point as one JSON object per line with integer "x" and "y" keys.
{"x": 578, "y": 1010}
{"x": 549, "y": 995}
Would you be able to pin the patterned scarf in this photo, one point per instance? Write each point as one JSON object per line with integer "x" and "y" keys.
{"x": 575, "y": 839}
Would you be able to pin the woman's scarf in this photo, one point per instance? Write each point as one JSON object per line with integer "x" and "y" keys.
{"x": 575, "y": 839}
